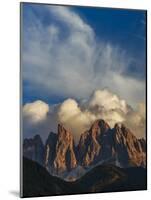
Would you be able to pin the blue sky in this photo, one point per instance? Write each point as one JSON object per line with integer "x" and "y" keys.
{"x": 126, "y": 28}
{"x": 68, "y": 52}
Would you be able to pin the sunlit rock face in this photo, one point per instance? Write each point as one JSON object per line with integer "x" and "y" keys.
{"x": 130, "y": 151}
{"x": 118, "y": 146}
{"x": 98, "y": 145}
{"x": 90, "y": 147}
{"x": 59, "y": 152}
{"x": 65, "y": 157}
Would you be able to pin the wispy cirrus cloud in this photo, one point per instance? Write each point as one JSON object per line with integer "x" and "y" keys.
{"x": 65, "y": 57}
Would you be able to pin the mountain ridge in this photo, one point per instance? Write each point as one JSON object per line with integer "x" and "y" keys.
{"x": 103, "y": 178}
{"x": 100, "y": 144}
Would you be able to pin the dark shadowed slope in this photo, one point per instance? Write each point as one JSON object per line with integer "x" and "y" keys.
{"x": 38, "y": 182}
{"x": 109, "y": 178}
{"x": 103, "y": 178}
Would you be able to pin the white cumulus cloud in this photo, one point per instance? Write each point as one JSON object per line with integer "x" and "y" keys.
{"x": 36, "y": 111}
{"x": 79, "y": 116}
{"x": 38, "y": 118}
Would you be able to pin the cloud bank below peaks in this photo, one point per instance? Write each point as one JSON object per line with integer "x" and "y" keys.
{"x": 41, "y": 118}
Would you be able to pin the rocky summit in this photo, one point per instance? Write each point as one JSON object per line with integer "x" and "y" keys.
{"x": 59, "y": 152}
{"x": 98, "y": 145}
{"x": 90, "y": 147}
{"x": 117, "y": 145}
{"x": 33, "y": 149}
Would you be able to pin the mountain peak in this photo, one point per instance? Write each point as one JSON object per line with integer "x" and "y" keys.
{"x": 65, "y": 157}
{"x": 98, "y": 144}
{"x": 64, "y": 134}
{"x": 89, "y": 144}
{"x": 34, "y": 149}
{"x": 52, "y": 137}
{"x": 60, "y": 126}
{"x": 100, "y": 122}
{"x": 119, "y": 125}
{"x": 99, "y": 127}
{"x": 37, "y": 138}
{"x": 129, "y": 149}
